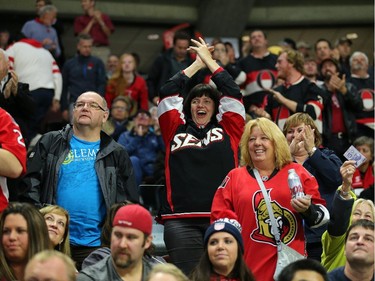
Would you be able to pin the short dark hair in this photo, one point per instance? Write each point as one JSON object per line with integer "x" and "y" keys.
{"x": 333, "y": 61}
{"x": 83, "y": 37}
{"x": 201, "y": 90}
{"x": 143, "y": 111}
{"x": 258, "y": 30}
{"x": 181, "y": 35}
{"x": 323, "y": 40}
{"x": 366, "y": 224}
{"x": 287, "y": 274}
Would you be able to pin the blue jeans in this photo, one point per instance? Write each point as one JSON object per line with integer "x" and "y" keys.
{"x": 137, "y": 169}
{"x": 140, "y": 170}
{"x": 184, "y": 241}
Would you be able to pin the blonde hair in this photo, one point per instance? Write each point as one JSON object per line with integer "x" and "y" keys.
{"x": 48, "y": 254}
{"x": 273, "y": 132}
{"x": 167, "y": 268}
{"x": 64, "y": 247}
{"x": 361, "y": 201}
{"x": 117, "y": 81}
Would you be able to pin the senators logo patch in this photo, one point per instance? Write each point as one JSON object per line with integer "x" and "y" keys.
{"x": 367, "y": 96}
{"x": 266, "y": 79}
{"x": 285, "y": 219}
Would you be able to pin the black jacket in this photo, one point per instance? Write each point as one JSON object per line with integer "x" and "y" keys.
{"x": 349, "y": 104}
{"x": 161, "y": 70}
{"x": 113, "y": 168}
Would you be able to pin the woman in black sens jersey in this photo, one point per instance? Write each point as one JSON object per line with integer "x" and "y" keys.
{"x": 201, "y": 131}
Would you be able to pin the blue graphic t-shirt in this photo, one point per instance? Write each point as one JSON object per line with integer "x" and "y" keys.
{"x": 79, "y": 192}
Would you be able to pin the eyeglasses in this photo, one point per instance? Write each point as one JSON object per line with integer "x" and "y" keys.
{"x": 120, "y": 108}
{"x": 220, "y": 50}
{"x": 91, "y": 105}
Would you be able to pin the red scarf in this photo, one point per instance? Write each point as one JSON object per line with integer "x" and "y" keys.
{"x": 363, "y": 182}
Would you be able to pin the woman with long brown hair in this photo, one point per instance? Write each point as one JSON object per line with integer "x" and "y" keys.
{"x": 125, "y": 81}
{"x": 23, "y": 234}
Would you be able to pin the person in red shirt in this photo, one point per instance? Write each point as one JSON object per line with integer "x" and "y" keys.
{"x": 96, "y": 24}
{"x": 363, "y": 177}
{"x": 340, "y": 105}
{"x": 264, "y": 148}
{"x": 12, "y": 154}
{"x": 126, "y": 82}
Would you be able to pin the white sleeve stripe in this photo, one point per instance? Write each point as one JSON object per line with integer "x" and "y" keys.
{"x": 170, "y": 103}
{"x": 323, "y": 220}
{"x": 228, "y": 104}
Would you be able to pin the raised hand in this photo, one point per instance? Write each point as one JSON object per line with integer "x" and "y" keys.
{"x": 347, "y": 170}
{"x": 308, "y": 137}
{"x": 202, "y": 49}
{"x": 204, "y": 52}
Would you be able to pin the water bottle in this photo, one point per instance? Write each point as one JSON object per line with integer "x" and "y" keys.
{"x": 295, "y": 185}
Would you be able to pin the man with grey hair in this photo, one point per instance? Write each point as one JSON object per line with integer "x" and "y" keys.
{"x": 58, "y": 25}
{"x": 83, "y": 170}
{"x": 50, "y": 265}
{"x": 41, "y": 30}
{"x": 364, "y": 83}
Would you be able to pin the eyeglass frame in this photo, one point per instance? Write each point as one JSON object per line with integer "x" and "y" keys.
{"x": 89, "y": 105}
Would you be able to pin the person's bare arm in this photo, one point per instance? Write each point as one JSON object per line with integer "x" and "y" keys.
{"x": 10, "y": 166}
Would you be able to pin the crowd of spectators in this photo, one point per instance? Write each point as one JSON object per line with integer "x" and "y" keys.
{"x": 207, "y": 126}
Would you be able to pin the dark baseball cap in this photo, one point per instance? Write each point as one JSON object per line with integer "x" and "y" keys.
{"x": 343, "y": 40}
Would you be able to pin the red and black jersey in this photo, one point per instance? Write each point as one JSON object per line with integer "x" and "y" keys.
{"x": 240, "y": 197}
{"x": 309, "y": 99}
{"x": 261, "y": 74}
{"x": 365, "y": 89}
{"x": 11, "y": 140}
{"x": 197, "y": 159}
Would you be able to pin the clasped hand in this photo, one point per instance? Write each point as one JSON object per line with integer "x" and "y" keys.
{"x": 203, "y": 51}
{"x": 304, "y": 139}
{"x": 12, "y": 85}
{"x": 337, "y": 83}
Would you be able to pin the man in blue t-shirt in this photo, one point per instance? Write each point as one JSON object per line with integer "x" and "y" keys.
{"x": 359, "y": 252}
{"x": 83, "y": 170}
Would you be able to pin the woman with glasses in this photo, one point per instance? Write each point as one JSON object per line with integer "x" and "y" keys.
{"x": 119, "y": 120}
